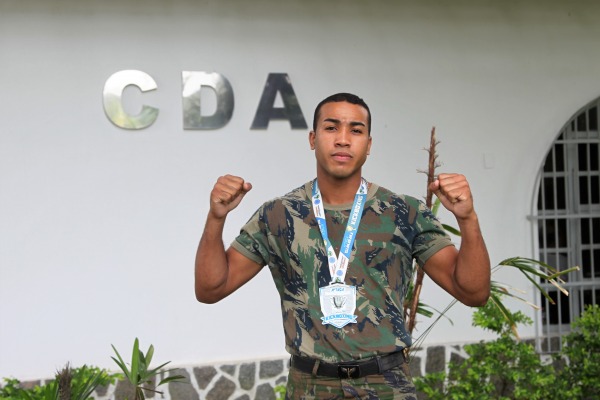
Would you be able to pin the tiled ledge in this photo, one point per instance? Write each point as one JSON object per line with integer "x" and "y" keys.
{"x": 256, "y": 380}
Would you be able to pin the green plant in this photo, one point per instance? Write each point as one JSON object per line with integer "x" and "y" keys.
{"x": 68, "y": 384}
{"x": 80, "y": 383}
{"x": 501, "y": 369}
{"x": 581, "y": 376}
{"x": 140, "y": 375}
{"x": 280, "y": 391}
{"x": 507, "y": 368}
{"x": 12, "y": 390}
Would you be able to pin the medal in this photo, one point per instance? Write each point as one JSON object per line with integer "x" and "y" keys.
{"x": 338, "y": 301}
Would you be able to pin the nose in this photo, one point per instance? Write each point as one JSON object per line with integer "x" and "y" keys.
{"x": 343, "y": 137}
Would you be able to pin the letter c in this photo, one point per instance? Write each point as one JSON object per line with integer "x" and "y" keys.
{"x": 113, "y": 102}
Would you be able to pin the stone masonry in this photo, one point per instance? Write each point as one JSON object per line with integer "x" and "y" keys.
{"x": 256, "y": 379}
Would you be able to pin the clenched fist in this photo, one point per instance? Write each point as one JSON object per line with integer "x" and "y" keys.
{"x": 455, "y": 194}
{"x": 227, "y": 193}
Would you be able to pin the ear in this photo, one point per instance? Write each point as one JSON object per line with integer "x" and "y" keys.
{"x": 369, "y": 145}
{"x": 311, "y": 139}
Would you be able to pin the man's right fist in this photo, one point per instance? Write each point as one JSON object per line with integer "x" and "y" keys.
{"x": 227, "y": 193}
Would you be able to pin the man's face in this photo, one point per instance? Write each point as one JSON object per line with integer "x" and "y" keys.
{"x": 342, "y": 140}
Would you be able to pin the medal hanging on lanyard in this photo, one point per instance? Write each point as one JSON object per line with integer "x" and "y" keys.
{"x": 338, "y": 300}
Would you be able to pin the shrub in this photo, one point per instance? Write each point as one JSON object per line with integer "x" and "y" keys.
{"x": 580, "y": 377}
{"x": 71, "y": 384}
{"x": 507, "y": 368}
{"x": 501, "y": 369}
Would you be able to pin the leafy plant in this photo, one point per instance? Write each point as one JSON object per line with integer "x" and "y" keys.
{"x": 80, "y": 383}
{"x": 140, "y": 375}
{"x": 68, "y": 384}
{"x": 501, "y": 369}
{"x": 280, "y": 391}
{"x": 12, "y": 390}
{"x": 507, "y": 368}
{"x": 581, "y": 377}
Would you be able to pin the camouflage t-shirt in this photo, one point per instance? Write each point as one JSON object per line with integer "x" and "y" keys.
{"x": 394, "y": 229}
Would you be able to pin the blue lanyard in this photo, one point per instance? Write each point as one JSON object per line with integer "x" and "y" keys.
{"x": 338, "y": 265}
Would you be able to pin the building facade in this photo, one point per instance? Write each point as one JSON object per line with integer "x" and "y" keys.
{"x": 118, "y": 117}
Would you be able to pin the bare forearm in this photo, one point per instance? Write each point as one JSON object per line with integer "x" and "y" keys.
{"x": 217, "y": 272}
{"x": 466, "y": 273}
{"x": 211, "y": 269}
{"x": 472, "y": 273}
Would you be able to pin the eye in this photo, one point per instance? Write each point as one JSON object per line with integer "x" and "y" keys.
{"x": 330, "y": 128}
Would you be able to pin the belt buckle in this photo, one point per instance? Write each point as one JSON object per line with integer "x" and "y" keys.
{"x": 406, "y": 354}
{"x": 349, "y": 371}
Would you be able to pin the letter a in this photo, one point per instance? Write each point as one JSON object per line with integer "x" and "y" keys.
{"x": 267, "y": 111}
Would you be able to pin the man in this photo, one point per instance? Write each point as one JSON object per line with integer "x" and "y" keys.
{"x": 340, "y": 251}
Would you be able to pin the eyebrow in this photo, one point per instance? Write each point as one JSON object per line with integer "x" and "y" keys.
{"x": 337, "y": 121}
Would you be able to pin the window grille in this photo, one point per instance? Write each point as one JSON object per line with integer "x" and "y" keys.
{"x": 568, "y": 222}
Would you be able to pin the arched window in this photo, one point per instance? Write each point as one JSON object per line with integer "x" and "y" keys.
{"x": 568, "y": 222}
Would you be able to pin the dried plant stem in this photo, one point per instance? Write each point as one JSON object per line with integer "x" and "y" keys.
{"x": 412, "y": 317}
{"x": 64, "y": 378}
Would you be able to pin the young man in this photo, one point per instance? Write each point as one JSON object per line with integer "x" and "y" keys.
{"x": 340, "y": 251}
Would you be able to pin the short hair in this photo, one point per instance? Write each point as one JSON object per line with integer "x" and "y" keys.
{"x": 341, "y": 97}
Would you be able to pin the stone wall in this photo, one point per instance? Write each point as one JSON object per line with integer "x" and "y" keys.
{"x": 243, "y": 380}
{"x": 256, "y": 379}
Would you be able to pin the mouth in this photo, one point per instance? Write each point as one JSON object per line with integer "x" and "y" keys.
{"x": 341, "y": 156}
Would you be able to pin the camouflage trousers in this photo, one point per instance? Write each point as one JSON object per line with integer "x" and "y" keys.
{"x": 393, "y": 384}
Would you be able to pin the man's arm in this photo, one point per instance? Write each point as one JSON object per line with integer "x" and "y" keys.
{"x": 218, "y": 273}
{"x": 464, "y": 273}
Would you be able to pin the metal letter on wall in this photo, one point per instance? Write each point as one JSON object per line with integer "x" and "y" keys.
{"x": 193, "y": 81}
{"x": 113, "y": 99}
{"x": 291, "y": 108}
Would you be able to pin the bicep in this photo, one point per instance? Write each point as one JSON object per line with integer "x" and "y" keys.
{"x": 241, "y": 270}
{"x": 440, "y": 268}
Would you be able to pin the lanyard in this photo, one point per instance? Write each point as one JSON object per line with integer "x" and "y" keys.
{"x": 338, "y": 265}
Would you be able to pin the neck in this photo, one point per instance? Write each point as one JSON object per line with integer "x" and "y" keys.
{"x": 338, "y": 191}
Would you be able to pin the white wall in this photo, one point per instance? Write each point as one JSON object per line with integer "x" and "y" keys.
{"x": 99, "y": 226}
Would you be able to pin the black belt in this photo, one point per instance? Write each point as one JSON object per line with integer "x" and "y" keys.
{"x": 349, "y": 369}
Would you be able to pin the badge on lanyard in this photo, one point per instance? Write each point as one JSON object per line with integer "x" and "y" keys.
{"x": 338, "y": 300}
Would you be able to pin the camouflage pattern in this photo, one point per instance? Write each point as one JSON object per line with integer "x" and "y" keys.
{"x": 395, "y": 383}
{"x": 394, "y": 229}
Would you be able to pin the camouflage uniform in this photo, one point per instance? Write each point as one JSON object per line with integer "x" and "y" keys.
{"x": 394, "y": 229}
{"x": 395, "y": 383}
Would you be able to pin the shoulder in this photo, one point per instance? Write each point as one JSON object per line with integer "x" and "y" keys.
{"x": 404, "y": 206}
{"x": 297, "y": 201}
{"x": 384, "y": 195}
{"x": 297, "y": 195}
